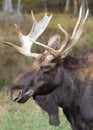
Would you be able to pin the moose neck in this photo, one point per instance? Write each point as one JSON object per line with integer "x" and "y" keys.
{"x": 69, "y": 79}
{"x": 69, "y": 88}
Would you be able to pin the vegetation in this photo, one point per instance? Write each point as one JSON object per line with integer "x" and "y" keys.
{"x": 27, "y": 117}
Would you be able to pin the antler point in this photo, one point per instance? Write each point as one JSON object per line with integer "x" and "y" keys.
{"x": 17, "y": 27}
{"x": 32, "y": 12}
{"x": 46, "y": 14}
{"x": 51, "y": 15}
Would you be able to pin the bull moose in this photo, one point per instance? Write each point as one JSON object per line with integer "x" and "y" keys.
{"x": 57, "y": 79}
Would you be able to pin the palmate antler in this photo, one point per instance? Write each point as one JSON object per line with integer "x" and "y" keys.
{"x": 39, "y": 27}
{"x": 26, "y": 40}
{"x": 69, "y": 42}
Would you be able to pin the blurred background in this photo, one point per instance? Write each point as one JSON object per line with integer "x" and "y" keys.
{"x": 29, "y": 116}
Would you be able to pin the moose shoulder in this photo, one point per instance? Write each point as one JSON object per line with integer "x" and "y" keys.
{"x": 55, "y": 78}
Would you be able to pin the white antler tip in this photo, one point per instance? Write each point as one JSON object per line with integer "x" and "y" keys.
{"x": 17, "y": 27}
{"x": 33, "y": 15}
{"x": 87, "y": 11}
{"x": 46, "y": 14}
{"x": 81, "y": 7}
{"x": 59, "y": 25}
{"x": 86, "y": 15}
{"x": 31, "y": 12}
{"x": 63, "y": 30}
{"x": 8, "y": 43}
{"x": 51, "y": 16}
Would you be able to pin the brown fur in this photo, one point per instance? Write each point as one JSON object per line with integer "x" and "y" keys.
{"x": 85, "y": 67}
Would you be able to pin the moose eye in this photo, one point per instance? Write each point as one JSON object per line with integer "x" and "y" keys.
{"x": 45, "y": 68}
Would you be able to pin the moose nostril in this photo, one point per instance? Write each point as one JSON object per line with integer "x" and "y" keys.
{"x": 16, "y": 95}
{"x": 15, "y": 98}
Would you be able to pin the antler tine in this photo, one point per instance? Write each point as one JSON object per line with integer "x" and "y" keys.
{"x": 74, "y": 40}
{"x": 35, "y": 55}
{"x": 18, "y": 28}
{"x": 80, "y": 25}
{"x": 78, "y": 22}
{"x": 49, "y": 49}
{"x": 37, "y": 29}
{"x": 65, "y": 42}
{"x": 86, "y": 16}
{"x": 34, "y": 21}
{"x": 19, "y": 33}
{"x": 33, "y": 16}
{"x": 64, "y": 31}
{"x": 35, "y": 32}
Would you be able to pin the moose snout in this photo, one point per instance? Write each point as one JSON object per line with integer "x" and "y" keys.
{"x": 15, "y": 95}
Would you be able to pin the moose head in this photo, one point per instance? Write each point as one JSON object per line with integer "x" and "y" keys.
{"x": 47, "y": 72}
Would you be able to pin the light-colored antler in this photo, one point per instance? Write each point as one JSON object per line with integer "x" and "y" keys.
{"x": 26, "y": 40}
{"x": 69, "y": 42}
{"x": 78, "y": 31}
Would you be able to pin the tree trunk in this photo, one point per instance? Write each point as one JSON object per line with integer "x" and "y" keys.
{"x": 7, "y": 6}
{"x": 60, "y": 3}
{"x": 12, "y": 15}
{"x": 19, "y": 7}
{"x": 19, "y": 11}
{"x": 75, "y": 12}
{"x": 45, "y": 5}
{"x": 67, "y": 6}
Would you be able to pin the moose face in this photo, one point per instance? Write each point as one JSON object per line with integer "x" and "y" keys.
{"x": 42, "y": 78}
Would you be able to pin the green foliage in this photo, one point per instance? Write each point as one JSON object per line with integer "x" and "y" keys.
{"x": 32, "y": 1}
{"x": 30, "y": 120}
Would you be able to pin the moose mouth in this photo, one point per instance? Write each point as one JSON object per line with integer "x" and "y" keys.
{"x": 23, "y": 100}
{"x": 20, "y": 97}
{"x": 26, "y": 96}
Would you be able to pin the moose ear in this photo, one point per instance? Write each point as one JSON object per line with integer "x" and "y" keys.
{"x": 54, "y": 42}
{"x": 70, "y": 63}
